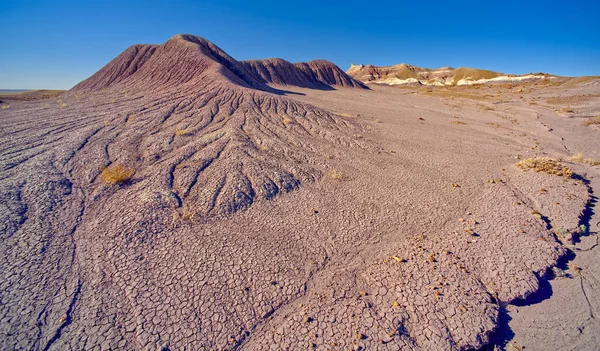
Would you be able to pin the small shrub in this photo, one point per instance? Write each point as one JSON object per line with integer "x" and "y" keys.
{"x": 335, "y": 174}
{"x": 179, "y": 131}
{"x": 116, "y": 174}
{"x": 457, "y": 122}
{"x": 567, "y": 110}
{"x": 580, "y": 159}
{"x": 573, "y": 267}
{"x": 562, "y": 232}
{"x": 590, "y": 121}
{"x": 188, "y": 213}
{"x": 546, "y": 165}
{"x": 287, "y": 120}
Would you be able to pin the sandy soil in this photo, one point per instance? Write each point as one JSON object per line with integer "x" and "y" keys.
{"x": 290, "y": 218}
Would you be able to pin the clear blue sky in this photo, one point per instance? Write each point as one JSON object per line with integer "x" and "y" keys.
{"x": 55, "y": 44}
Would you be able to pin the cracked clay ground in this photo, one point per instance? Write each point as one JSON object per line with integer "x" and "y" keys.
{"x": 234, "y": 234}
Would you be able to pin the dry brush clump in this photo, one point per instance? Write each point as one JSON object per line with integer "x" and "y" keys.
{"x": 591, "y": 121}
{"x": 335, "y": 174}
{"x": 116, "y": 174}
{"x": 582, "y": 160}
{"x": 180, "y": 132}
{"x": 546, "y": 165}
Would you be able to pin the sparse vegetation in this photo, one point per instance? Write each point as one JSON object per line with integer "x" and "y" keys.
{"x": 187, "y": 213}
{"x": 562, "y": 232}
{"x": 286, "y": 120}
{"x": 180, "y": 132}
{"x": 458, "y": 92}
{"x": 458, "y": 122}
{"x": 335, "y": 174}
{"x": 116, "y": 174}
{"x": 31, "y": 95}
{"x": 574, "y": 268}
{"x": 590, "y": 121}
{"x": 580, "y": 159}
{"x": 567, "y": 110}
{"x": 546, "y": 165}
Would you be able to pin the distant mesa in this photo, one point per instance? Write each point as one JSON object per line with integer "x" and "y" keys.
{"x": 405, "y": 74}
{"x": 188, "y": 59}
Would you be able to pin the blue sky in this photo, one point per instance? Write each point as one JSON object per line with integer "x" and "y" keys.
{"x": 56, "y": 44}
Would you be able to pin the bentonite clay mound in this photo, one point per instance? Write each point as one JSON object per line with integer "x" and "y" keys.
{"x": 233, "y": 233}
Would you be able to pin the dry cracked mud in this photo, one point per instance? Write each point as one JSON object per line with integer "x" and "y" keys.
{"x": 265, "y": 216}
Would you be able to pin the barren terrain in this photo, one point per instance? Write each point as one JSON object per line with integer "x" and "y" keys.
{"x": 272, "y": 207}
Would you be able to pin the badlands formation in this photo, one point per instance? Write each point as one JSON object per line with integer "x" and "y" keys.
{"x": 179, "y": 199}
{"x": 404, "y": 74}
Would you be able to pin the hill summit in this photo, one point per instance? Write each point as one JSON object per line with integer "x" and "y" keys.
{"x": 190, "y": 60}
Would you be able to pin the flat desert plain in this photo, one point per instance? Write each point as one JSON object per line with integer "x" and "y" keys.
{"x": 179, "y": 199}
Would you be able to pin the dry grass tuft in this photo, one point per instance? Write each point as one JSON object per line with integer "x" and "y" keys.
{"x": 594, "y": 120}
{"x": 188, "y": 213}
{"x": 180, "y": 132}
{"x": 335, "y": 174}
{"x": 567, "y": 110}
{"x": 573, "y": 267}
{"x": 546, "y": 165}
{"x": 116, "y": 174}
{"x": 457, "y": 122}
{"x": 580, "y": 159}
